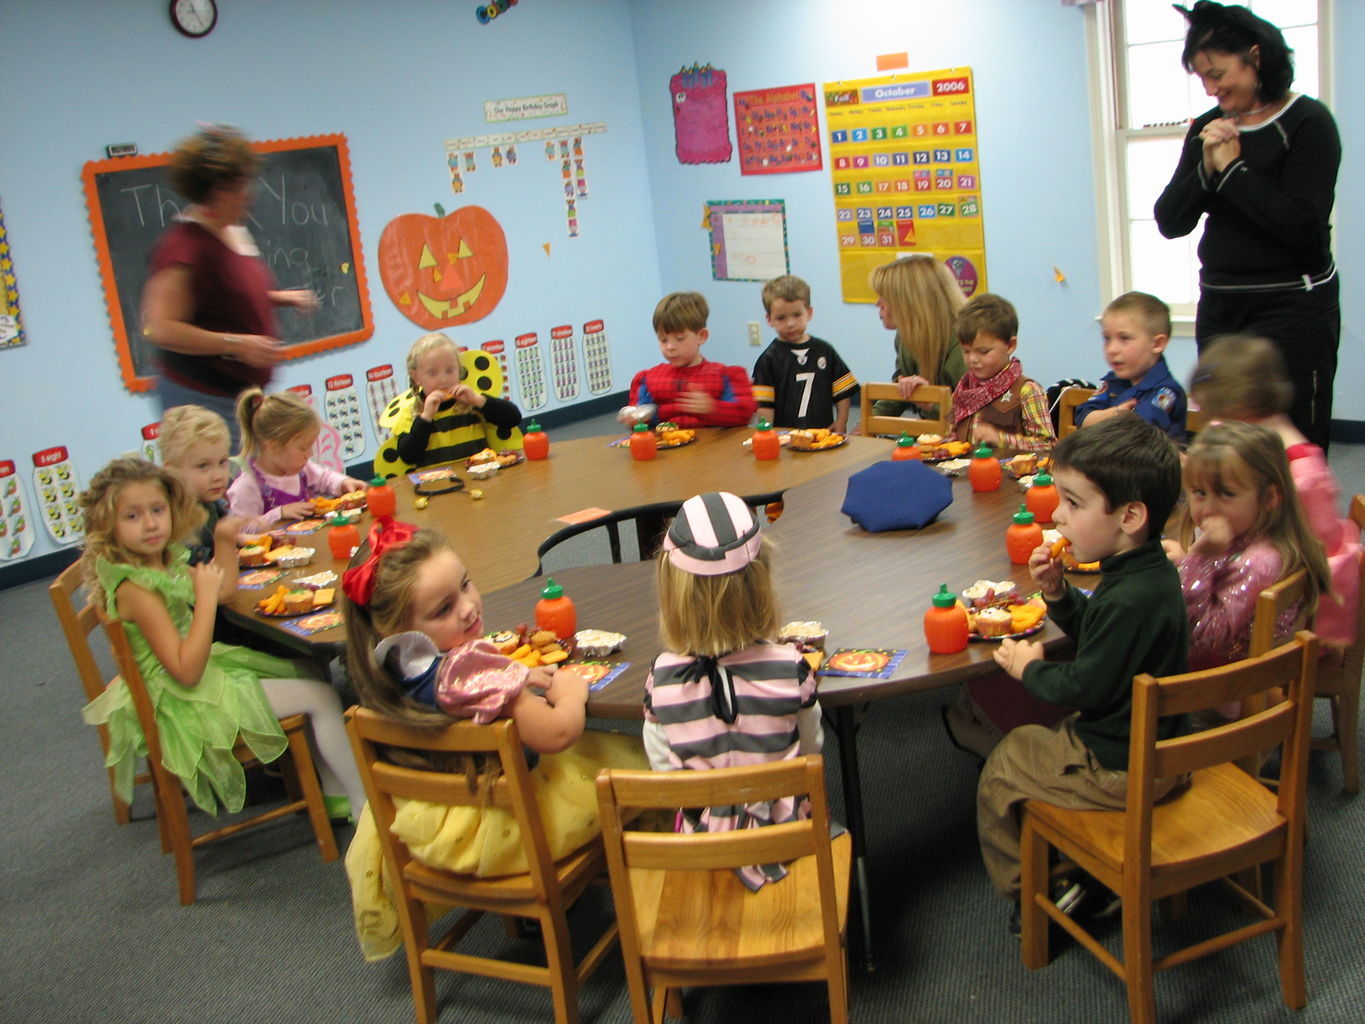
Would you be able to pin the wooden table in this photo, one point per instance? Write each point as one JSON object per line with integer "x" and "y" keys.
{"x": 868, "y": 590}
{"x": 503, "y": 536}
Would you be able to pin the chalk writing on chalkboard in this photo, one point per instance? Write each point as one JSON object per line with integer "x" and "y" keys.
{"x": 302, "y": 219}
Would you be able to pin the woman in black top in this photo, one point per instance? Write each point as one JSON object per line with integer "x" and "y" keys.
{"x": 1263, "y": 166}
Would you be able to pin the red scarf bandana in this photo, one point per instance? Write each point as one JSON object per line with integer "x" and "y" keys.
{"x": 973, "y": 394}
{"x": 386, "y": 534}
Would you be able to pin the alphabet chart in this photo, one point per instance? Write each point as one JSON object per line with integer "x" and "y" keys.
{"x": 906, "y": 174}
{"x": 530, "y": 372}
{"x": 565, "y": 366}
{"x": 381, "y": 388}
{"x": 597, "y": 357}
{"x": 499, "y": 351}
{"x": 54, "y": 478}
{"x": 16, "y": 526}
{"x": 343, "y": 413}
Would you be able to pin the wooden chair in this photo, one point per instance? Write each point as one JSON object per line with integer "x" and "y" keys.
{"x": 77, "y": 626}
{"x": 1339, "y": 682}
{"x": 941, "y": 398}
{"x": 544, "y": 893}
{"x": 672, "y": 889}
{"x": 171, "y": 812}
{"x": 1067, "y": 402}
{"x": 1073, "y": 396}
{"x": 1222, "y": 823}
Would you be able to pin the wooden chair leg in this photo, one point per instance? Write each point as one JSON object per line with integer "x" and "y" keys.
{"x": 306, "y": 777}
{"x": 559, "y": 958}
{"x": 122, "y": 812}
{"x": 171, "y": 807}
{"x": 1033, "y": 881}
{"x": 1289, "y": 905}
{"x": 1137, "y": 960}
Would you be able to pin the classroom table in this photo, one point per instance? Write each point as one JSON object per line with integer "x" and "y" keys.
{"x": 585, "y": 484}
{"x": 869, "y": 590}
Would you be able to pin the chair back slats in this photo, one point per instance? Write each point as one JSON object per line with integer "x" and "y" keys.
{"x": 770, "y": 844}
{"x": 705, "y": 788}
{"x": 927, "y": 394}
{"x": 137, "y": 687}
{"x": 1264, "y": 730}
{"x": 470, "y": 788}
{"x": 1271, "y": 603}
{"x": 77, "y": 626}
{"x": 1067, "y": 401}
{"x": 498, "y": 743}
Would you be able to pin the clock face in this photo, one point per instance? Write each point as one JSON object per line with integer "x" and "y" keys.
{"x": 194, "y": 18}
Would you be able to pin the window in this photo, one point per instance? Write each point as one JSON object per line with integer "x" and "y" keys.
{"x": 1146, "y": 102}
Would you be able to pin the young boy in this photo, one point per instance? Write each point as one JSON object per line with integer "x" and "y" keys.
{"x": 799, "y": 381}
{"x": 1137, "y": 327}
{"x": 994, "y": 403}
{"x": 1119, "y": 481}
{"x": 685, "y": 388}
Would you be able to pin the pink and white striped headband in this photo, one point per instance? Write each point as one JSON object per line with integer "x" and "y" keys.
{"x": 714, "y": 534}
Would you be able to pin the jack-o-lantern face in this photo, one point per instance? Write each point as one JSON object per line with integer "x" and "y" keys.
{"x": 444, "y": 271}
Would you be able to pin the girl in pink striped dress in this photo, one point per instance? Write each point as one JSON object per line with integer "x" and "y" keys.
{"x": 726, "y": 693}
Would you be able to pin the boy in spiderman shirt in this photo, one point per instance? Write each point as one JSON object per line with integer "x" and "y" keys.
{"x": 685, "y": 388}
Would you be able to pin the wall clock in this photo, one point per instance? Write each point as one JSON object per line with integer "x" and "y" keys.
{"x": 194, "y": 18}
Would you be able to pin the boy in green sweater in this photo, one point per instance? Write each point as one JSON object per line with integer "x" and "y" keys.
{"x": 1119, "y": 481}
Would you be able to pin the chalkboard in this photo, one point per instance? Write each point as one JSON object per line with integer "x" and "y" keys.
{"x": 303, "y": 220}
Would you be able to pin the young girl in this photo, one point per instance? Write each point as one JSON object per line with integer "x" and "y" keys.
{"x": 207, "y": 695}
{"x": 1251, "y": 531}
{"x": 1244, "y": 378}
{"x": 415, "y": 651}
{"x": 194, "y": 440}
{"x": 441, "y": 418}
{"x": 280, "y": 481}
{"x": 918, "y": 298}
{"x": 725, "y": 693}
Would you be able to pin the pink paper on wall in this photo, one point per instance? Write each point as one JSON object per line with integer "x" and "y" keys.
{"x": 701, "y": 116}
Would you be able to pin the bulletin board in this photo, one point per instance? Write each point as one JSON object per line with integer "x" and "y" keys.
{"x": 904, "y": 162}
{"x": 748, "y": 239}
{"x": 302, "y": 219}
{"x": 778, "y": 130}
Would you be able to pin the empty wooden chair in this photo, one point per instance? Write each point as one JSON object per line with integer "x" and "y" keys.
{"x": 77, "y": 627}
{"x": 172, "y": 814}
{"x": 671, "y": 889}
{"x": 941, "y": 398}
{"x": 1224, "y": 822}
{"x": 544, "y": 893}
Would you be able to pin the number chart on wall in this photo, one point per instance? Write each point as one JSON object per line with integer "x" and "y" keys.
{"x": 904, "y": 160}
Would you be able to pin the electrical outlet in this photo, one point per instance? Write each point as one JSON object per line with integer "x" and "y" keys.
{"x": 755, "y": 335}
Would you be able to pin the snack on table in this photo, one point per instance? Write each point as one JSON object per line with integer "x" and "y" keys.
{"x": 986, "y": 593}
{"x": 929, "y": 440}
{"x": 1026, "y": 464}
{"x": 670, "y": 434}
{"x": 252, "y": 554}
{"x": 504, "y": 640}
{"x": 291, "y": 557}
{"x": 298, "y": 601}
{"x": 1024, "y": 617}
{"x": 814, "y": 440}
{"x": 479, "y": 458}
{"x": 483, "y": 470}
{"x": 809, "y": 632}
{"x": 318, "y": 580}
{"x": 347, "y": 502}
{"x": 598, "y": 643}
{"x": 994, "y": 622}
{"x": 942, "y": 449}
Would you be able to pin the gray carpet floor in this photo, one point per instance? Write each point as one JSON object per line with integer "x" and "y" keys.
{"x": 92, "y": 930}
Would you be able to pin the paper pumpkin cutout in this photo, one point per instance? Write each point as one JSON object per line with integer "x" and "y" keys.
{"x": 444, "y": 271}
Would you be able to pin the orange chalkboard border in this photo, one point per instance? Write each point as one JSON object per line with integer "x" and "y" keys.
{"x": 137, "y": 382}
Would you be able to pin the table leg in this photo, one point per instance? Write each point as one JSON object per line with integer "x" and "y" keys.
{"x": 846, "y": 728}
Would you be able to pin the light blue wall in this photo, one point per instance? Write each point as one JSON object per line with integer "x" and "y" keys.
{"x": 1029, "y": 65}
{"x": 399, "y": 78}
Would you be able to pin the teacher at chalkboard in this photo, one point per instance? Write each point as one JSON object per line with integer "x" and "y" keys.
{"x": 1263, "y": 165}
{"x": 208, "y": 306}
